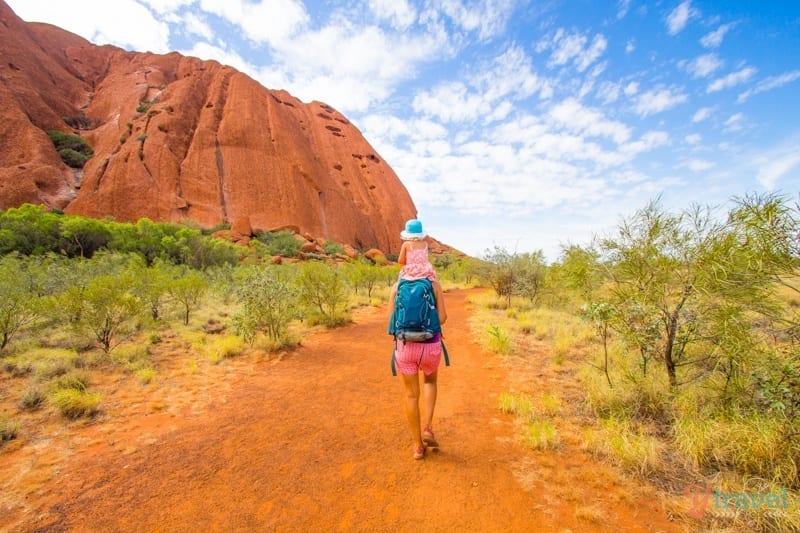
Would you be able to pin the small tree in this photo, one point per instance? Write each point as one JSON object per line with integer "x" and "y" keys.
{"x": 151, "y": 285}
{"x": 103, "y": 308}
{"x": 513, "y": 274}
{"x": 689, "y": 274}
{"x": 187, "y": 289}
{"x": 18, "y": 304}
{"x": 268, "y": 304}
{"x": 324, "y": 291}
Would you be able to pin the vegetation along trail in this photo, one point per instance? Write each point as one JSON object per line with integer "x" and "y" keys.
{"x": 318, "y": 442}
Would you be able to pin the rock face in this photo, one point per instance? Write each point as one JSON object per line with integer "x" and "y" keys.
{"x": 179, "y": 139}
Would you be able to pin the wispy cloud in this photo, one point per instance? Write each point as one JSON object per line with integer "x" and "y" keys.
{"x": 400, "y": 14}
{"x": 734, "y": 122}
{"x": 714, "y": 38}
{"x": 679, "y": 17}
{"x": 702, "y": 114}
{"x": 775, "y": 165}
{"x": 622, "y": 8}
{"x": 704, "y": 65}
{"x": 583, "y": 120}
{"x": 658, "y": 100}
{"x": 698, "y": 165}
{"x": 731, "y": 80}
{"x": 773, "y": 82}
{"x": 488, "y": 19}
{"x": 573, "y": 47}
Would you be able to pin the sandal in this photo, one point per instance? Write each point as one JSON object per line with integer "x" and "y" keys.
{"x": 419, "y": 451}
{"x": 429, "y": 438}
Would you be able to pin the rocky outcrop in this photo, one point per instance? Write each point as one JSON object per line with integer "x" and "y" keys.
{"x": 179, "y": 139}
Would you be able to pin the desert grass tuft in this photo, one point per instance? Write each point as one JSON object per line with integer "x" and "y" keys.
{"x": 499, "y": 340}
{"x": 8, "y": 429}
{"x": 750, "y": 443}
{"x": 631, "y": 448}
{"x": 515, "y": 404}
{"x": 75, "y": 380}
{"x": 45, "y": 363}
{"x": 226, "y": 347}
{"x": 32, "y": 399}
{"x": 74, "y": 403}
{"x": 145, "y": 375}
{"x": 541, "y": 435}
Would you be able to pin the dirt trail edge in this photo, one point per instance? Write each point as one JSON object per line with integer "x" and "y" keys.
{"x": 319, "y": 442}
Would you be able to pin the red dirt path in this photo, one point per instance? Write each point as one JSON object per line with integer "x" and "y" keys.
{"x": 318, "y": 442}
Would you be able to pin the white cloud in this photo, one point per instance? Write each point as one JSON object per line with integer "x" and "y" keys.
{"x": 272, "y": 22}
{"x": 609, "y": 92}
{"x": 714, "y": 39}
{"x": 450, "y": 102}
{"x": 572, "y": 47}
{"x": 194, "y": 25}
{"x": 631, "y": 89}
{"x": 166, "y": 6}
{"x": 699, "y": 165}
{"x": 694, "y": 139}
{"x": 731, "y": 80}
{"x": 509, "y": 74}
{"x": 487, "y": 18}
{"x": 630, "y": 46}
{"x": 658, "y": 100}
{"x": 734, "y": 122}
{"x": 400, "y": 14}
{"x": 622, "y": 8}
{"x": 773, "y": 82}
{"x": 225, "y": 57}
{"x": 590, "y": 55}
{"x": 577, "y": 118}
{"x": 704, "y": 65}
{"x": 679, "y": 17}
{"x": 774, "y": 166}
{"x": 702, "y": 114}
{"x": 124, "y": 23}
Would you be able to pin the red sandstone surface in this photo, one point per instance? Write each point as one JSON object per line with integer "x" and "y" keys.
{"x": 177, "y": 139}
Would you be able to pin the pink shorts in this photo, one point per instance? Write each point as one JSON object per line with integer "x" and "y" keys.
{"x": 411, "y": 357}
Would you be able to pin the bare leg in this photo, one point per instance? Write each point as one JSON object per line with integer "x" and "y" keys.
{"x": 411, "y": 384}
{"x": 430, "y": 389}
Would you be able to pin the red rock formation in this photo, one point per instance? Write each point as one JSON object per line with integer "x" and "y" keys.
{"x": 177, "y": 139}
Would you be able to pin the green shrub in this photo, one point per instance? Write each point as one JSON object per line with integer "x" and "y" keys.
{"x": 324, "y": 293}
{"x": 333, "y": 248}
{"x": 72, "y": 149}
{"x": 280, "y": 243}
{"x": 72, "y": 158}
{"x": 268, "y": 304}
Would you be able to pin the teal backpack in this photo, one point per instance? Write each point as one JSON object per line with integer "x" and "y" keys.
{"x": 414, "y": 318}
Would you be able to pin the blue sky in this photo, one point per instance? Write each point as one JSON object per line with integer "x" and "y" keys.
{"x": 524, "y": 125}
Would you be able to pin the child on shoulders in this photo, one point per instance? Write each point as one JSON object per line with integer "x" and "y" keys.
{"x": 413, "y": 256}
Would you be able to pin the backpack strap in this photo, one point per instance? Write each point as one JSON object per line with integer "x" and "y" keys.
{"x": 446, "y": 356}
{"x": 394, "y": 366}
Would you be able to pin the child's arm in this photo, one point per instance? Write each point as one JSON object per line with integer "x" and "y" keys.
{"x": 402, "y": 257}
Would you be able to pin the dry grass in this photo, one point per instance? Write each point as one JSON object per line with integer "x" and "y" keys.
{"x": 8, "y": 429}
{"x": 630, "y": 447}
{"x": 541, "y": 435}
